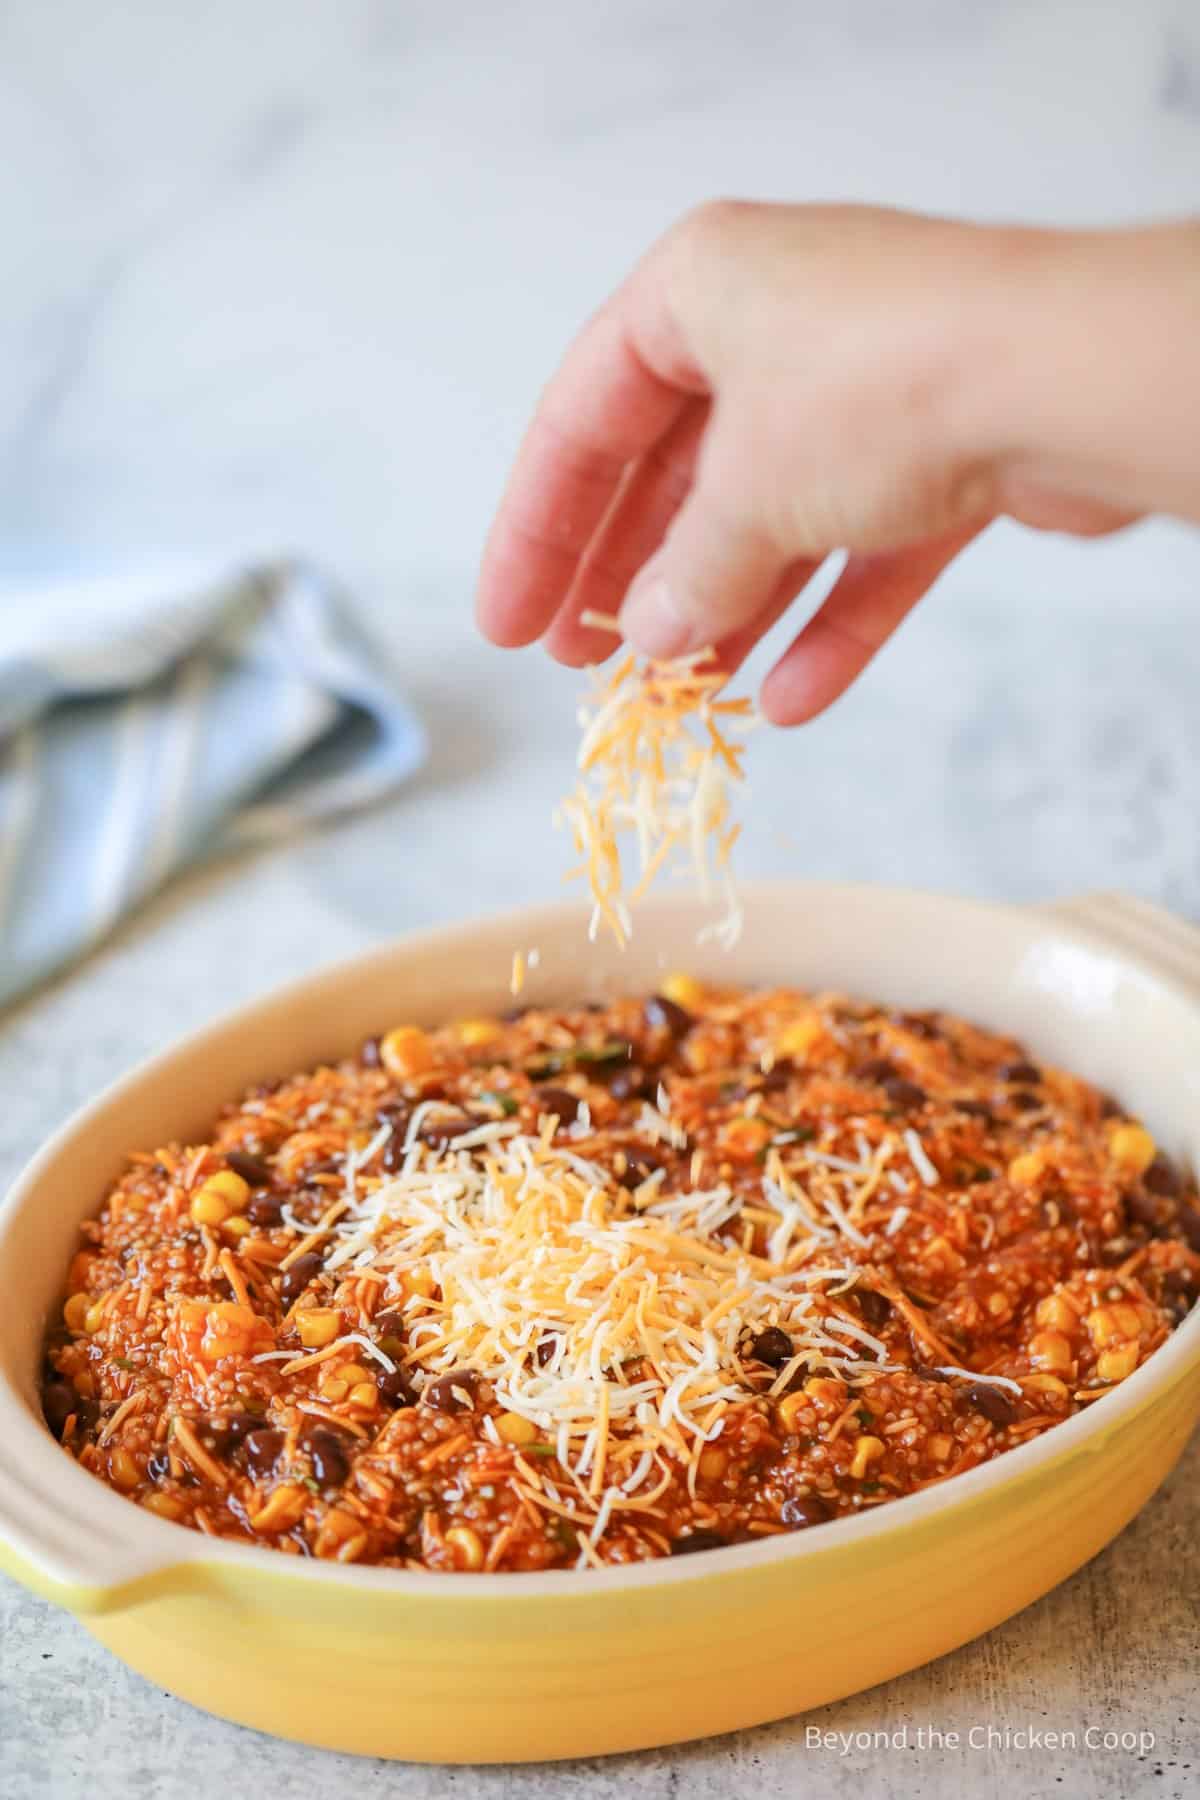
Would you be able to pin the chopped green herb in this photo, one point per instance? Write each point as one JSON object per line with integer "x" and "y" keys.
{"x": 617, "y": 1051}
{"x": 508, "y": 1106}
{"x": 865, "y": 1416}
{"x": 123, "y": 1362}
{"x": 311, "y": 1485}
{"x": 538, "y": 1450}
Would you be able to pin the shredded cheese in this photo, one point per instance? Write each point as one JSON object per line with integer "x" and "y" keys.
{"x": 656, "y": 761}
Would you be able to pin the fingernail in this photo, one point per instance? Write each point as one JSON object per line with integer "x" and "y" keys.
{"x": 652, "y": 621}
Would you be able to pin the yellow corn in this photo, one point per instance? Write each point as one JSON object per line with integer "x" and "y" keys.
{"x": 123, "y": 1471}
{"x": 1109, "y": 1324}
{"x": 940, "y": 1446}
{"x": 826, "y": 1392}
{"x": 790, "y": 1408}
{"x": 163, "y": 1505}
{"x": 338, "y": 1528}
{"x": 713, "y": 1463}
{"x": 744, "y": 1137}
{"x": 405, "y": 1052}
{"x": 800, "y": 1037}
{"x": 684, "y": 990}
{"x": 468, "y": 1550}
{"x": 1024, "y": 1170}
{"x": 237, "y": 1227}
{"x": 363, "y": 1394}
{"x": 1115, "y": 1365}
{"x": 474, "y": 1032}
{"x": 209, "y": 1209}
{"x": 233, "y": 1190}
{"x": 1046, "y": 1384}
{"x": 1050, "y": 1350}
{"x": 76, "y": 1311}
{"x": 1057, "y": 1313}
{"x": 282, "y": 1508}
{"x": 997, "y": 1304}
{"x": 337, "y": 1382}
{"x": 515, "y": 1430}
{"x": 866, "y": 1451}
{"x": 318, "y": 1326}
{"x": 95, "y": 1315}
{"x": 1132, "y": 1148}
{"x": 418, "y": 1282}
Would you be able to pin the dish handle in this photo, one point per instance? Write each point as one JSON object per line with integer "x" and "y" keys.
{"x": 1142, "y": 929}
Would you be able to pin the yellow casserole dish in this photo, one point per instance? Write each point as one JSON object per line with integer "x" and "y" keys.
{"x": 479, "y": 1668}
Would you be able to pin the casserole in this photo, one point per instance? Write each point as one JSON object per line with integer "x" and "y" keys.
{"x": 512, "y": 1667}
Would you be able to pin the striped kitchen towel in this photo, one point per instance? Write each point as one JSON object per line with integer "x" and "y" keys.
{"x": 145, "y": 726}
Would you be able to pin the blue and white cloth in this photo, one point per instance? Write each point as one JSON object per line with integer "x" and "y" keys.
{"x": 144, "y": 727}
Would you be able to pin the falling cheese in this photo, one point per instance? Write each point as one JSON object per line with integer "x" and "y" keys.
{"x": 658, "y": 755}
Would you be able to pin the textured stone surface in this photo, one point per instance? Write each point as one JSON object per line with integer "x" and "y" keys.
{"x": 292, "y": 277}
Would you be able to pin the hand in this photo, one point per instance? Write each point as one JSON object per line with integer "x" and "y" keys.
{"x": 774, "y": 382}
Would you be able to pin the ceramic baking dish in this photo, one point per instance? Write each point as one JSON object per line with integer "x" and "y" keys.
{"x": 486, "y": 1668}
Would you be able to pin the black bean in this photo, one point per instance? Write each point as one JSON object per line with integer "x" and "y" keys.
{"x": 1146, "y": 1209}
{"x": 875, "y": 1308}
{"x": 445, "y": 1127}
{"x": 662, "y": 1014}
{"x": 804, "y": 1509}
{"x": 395, "y": 1389}
{"x": 1189, "y": 1225}
{"x": 639, "y": 1167}
{"x": 546, "y": 1348}
{"x": 1178, "y": 1293}
{"x": 1056, "y": 1210}
{"x": 924, "y": 1373}
{"x": 1025, "y": 1072}
{"x": 227, "y": 1432}
{"x": 991, "y": 1401}
{"x": 252, "y": 1169}
{"x": 777, "y": 1076}
{"x": 59, "y": 1401}
{"x": 1160, "y": 1177}
{"x": 328, "y": 1450}
{"x": 921, "y": 1025}
{"x": 974, "y": 1109}
{"x": 262, "y": 1449}
{"x": 632, "y": 1083}
{"x": 369, "y": 1055}
{"x": 773, "y": 1347}
{"x": 902, "y": 1092}
{"x": 298, "y": 1277}
{"x": 388, "y": 1325}
{"x": 452, "y": 1393}
{"x": 265, "y": 1209}
{"x": 697, "y": 1540}
{"x": 877, "y": 1070}
{"x": 560, "y": 1102}
{"x": 604, "y": 1063}
{"x": 1023, "y": 1101}
{"x": 1112, "y": 1253}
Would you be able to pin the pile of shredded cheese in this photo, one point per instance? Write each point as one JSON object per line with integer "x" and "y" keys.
{"x": 615, "y": 1322}
{"x": 656, "y": 762}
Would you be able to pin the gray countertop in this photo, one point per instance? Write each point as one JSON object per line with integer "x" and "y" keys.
{"x": 290, "y": 277}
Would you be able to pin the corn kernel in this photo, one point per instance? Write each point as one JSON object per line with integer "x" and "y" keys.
{"x": 800, "y": 1037}
{"x": 282, "y": 1508}
{"x": 513, "y": 1429}
{"x": 363, "y": 1394}
{"x": 237, "y": 1227}
{"x": 997, "y": 1305}
{"x": 826, "y": 1392}
{"x": 318, "y": 1326}
{"x": 95, "y": 1315}
{"x": 468, "y": 1550}
{"x": 338, "y": 1528}
{"x": 1132, "y": 1148}
{"x": 76, "y": 1311}
{"x": 418, "y": 1282}
{"x": 230, "y": 1186}
{"x": 353, "y": 1548}
{"x": 713, "y": 1463}
{"x": 1115, "y": 1365}
{"x": 164, "y": 1505}
{"x": 790, "y": 1408}
{"x": 77, "y": 1274}
{"x": 1046, "y": 1384}
{"x": 940, "y": 1446}
{"x": 1024, "y": 1170}
{"x": 123, "y": 1471}
{"x": 1057, "y": 1313}
{"x": 745, "y": 1137}
{"x": 866, "y": 1451}
{"x": 474, "y": 1032}
{"x": 209, "y": 1209}
{"x": 405, "y": 1052}
{"x": 1108, "y": 1324}
{"x": 684, "y": 990}
{"x": 1050, "y": 1350}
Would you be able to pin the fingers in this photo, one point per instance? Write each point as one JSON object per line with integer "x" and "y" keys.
{"x": 622, "y": 385}
{"x": 632, "y": 530}
{"x": 869, "y": 600}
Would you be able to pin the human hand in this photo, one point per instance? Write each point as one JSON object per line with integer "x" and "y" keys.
{"x": 775, "y": 382}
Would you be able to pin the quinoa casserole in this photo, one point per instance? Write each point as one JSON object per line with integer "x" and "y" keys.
{"x": 597, "y": 1285}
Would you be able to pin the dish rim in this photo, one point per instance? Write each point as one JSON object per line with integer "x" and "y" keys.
{"x": 167, "y": 1549}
